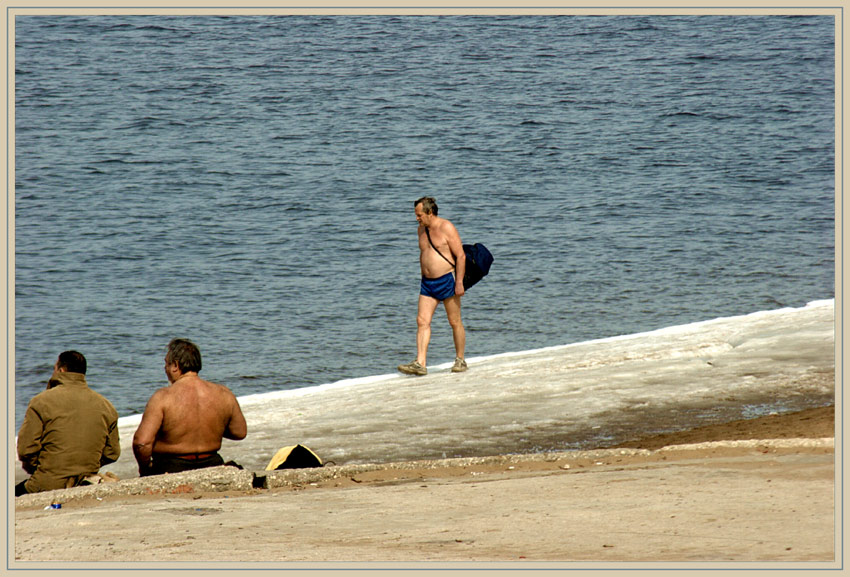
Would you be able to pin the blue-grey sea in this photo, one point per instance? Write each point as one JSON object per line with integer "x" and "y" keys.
{"x": 248, "y": 183}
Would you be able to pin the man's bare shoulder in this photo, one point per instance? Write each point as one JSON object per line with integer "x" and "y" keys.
{"x": 160, "y": 395}
{"x": 447, "y": 228}
{"x": 224, "y": 390}
{"x": 216, "y": 389}
{"x": 156, "y": 403}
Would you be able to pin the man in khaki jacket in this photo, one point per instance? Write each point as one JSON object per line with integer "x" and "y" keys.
{"x": 69, "y": 431}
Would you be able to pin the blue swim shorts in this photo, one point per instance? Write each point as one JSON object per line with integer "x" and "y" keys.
{"x": 438, "y": 288}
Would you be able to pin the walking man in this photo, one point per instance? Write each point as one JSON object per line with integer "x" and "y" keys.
{"x": 443, "y": 263}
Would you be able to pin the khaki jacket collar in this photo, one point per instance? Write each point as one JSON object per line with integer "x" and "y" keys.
{"x": 69, "y": 379}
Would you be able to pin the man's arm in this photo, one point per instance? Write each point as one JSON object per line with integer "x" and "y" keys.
{"x": 145, "y": 437}
{"x": 112, "y": 449}
{"x": 453, "y": 240}
{"x": 29, "y": 440}
{"x": 237, "y": 428}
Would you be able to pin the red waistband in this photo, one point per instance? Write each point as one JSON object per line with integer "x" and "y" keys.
{"x": 188, "y": 456}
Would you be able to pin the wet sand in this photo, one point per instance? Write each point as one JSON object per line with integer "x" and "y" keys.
{"x": 755, "y": 491}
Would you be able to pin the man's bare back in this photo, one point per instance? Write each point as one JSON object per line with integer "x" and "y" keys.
{"x": 190, "y": 416}
{"x": 195, "y": 415}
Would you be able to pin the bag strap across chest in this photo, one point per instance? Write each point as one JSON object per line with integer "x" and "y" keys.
{"x": 435, "y": 248}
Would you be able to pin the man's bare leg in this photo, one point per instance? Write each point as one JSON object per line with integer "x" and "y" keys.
{"x": 452, "y": 305}
{"x": 427, "y": 306}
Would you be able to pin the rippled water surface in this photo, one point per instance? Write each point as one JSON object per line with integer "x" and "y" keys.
{"x": 247, "y": 182}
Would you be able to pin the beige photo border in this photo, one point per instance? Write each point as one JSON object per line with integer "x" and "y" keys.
{"x": 12, "y": 9}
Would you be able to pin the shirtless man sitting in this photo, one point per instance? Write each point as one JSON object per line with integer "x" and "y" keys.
{"x": 183, "y": 423}
{"x": 442, "y": 281}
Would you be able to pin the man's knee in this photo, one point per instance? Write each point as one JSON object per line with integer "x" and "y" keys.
{"x": 454, "y": 317}
{"x": 423, "y": 318}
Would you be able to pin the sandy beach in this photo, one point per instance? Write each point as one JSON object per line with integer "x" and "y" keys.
{"x": 746, "y": 493}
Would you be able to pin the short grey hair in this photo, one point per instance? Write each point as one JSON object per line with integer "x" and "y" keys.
{"x": 429, "y": 205}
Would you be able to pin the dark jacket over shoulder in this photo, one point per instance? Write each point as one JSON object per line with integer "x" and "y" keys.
{"x": 69, "y": 432}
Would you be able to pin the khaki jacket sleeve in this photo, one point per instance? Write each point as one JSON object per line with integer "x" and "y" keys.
{"x": 112, "y": 449}
{"x": 29, "y": 440}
